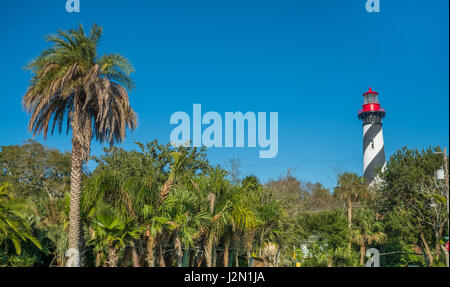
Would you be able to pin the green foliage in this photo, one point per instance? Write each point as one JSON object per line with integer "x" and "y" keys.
{"x": 15, "y": 229}
{"x": 404, "y": 170}
{"x": 325, "y": 238}
{"x": 413, "y": 205}
{"x": 34, "y": 170}
{"x": 111, "y": 233}
{"x": 206, "y": 219}
{"x": 350, "y": 187}
{"x": 328, "y": 227}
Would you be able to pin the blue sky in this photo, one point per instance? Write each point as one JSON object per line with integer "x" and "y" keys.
{"x": 310, "y": 61}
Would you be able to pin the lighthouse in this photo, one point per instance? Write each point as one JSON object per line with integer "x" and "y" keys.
{"x": 373, "y": 144}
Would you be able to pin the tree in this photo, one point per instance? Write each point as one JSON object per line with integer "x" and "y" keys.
{"x": 34, "y": 170}
{"x": 137, "y": 183}
{"x": 324, "y": 237}
{"x": 40, "y": 179}
{"x": 350, "y": 188}
{"x": 14, "y": 227}
{"x": 184, "y": 219}
{"x": 110, "y": 234}
{"x": 234, "y": 165}
{"x": 431, "y": 210}
{"x": 319, "y": 198}
{"x": 409, "y": 190}
{"x": 269, "y": 216}
{"x": 368, "y": 230}
{"x": 212, "y": 189}
{"x": 71, "y": 84}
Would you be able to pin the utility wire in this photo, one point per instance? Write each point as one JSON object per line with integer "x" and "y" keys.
{"x": 302, "y": 163}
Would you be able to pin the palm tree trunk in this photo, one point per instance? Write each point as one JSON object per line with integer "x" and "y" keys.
{"x": 349, "y": 217}
{"x": 214, "y": 256}
{"x": 200, "y": 262}
{"x": 209, "y": 241}
{"x": 349, "y": 213}
{"x": 113, "y": 257}
{"x": 150, "y": 251}
{"x": 236, "y": 246}
{"x": 261, "y": 240}
{"x": 208, "y": 252}
{"x": 363, "y": 253}
{"x": 98, "y": 259}
{"x": 75, "y": 196}
{"x": 226, "y": 254}
{"x": 162, "y": 262}
{"x": 134, "y": 255}
{"x": 179, "y": 251}
{"x": 165, "y": 190}
{"x": 82, "y": 246}
{"x": 124, "y": 262}
{"x": 186, "y": 257}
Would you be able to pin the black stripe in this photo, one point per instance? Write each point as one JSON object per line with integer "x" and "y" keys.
{"x": 370, "y": 135}
{"x": 378, "y": 161}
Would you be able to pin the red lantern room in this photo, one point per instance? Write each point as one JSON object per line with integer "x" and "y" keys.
{"x": 371, "y": 107}
{"x": 371, "y": 101}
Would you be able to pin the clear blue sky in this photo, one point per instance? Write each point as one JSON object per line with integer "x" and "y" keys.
{"x": 309, "y": 60}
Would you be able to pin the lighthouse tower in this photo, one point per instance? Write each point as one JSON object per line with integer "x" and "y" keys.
{"x": 373, "y": 145}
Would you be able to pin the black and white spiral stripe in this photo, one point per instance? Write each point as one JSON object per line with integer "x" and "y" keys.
{"x": 373, "y": 147}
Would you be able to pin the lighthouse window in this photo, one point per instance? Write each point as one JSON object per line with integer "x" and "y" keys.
{"x": 372, "y": 144}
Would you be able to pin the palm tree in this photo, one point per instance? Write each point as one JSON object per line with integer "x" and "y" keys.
{"x": 368, "y": 231}
{"x": 243, "y": 218}
{"x": 71, "y": 84}
{"x": 350, "y": 188}
{"x": 230, "y": 213}
{"x": 13, "y": 224}
{"x": 110, "y": 234}
{"x": 184, "y": 220}
{"x": 210, "y": 190}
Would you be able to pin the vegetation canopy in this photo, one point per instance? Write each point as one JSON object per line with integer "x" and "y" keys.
{"x": 160, "y": 205}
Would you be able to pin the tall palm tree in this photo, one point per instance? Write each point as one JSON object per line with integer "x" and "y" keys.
{"x": 350, "y": 188}
{"x": 71, "y": 84}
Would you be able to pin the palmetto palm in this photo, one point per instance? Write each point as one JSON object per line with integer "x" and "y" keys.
{"x": 184, "y": 219}
{"x": 13, "y": 225}
{"x": 72, "y": 85}
{"x": 110, "y": 234}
